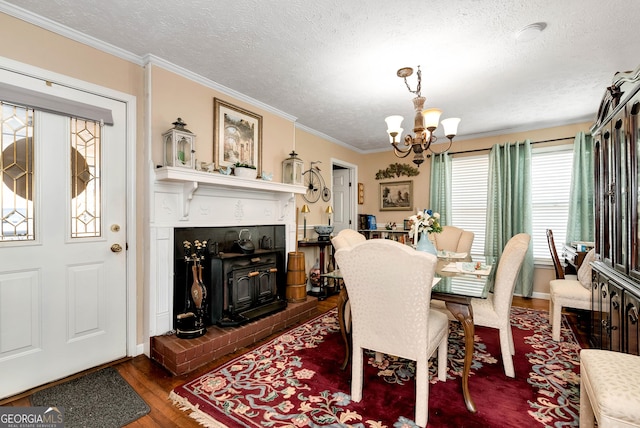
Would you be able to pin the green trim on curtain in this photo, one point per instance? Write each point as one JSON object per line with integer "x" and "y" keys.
{"x": 581, "y": 221}
{"x": 440, "y": 187}
{"x": 509, "y": 205}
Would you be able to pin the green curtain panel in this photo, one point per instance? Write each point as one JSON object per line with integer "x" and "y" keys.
{"x": 440, "y": 190}
{"x": 581, "y": 223}
{"x": 509, "y": 204}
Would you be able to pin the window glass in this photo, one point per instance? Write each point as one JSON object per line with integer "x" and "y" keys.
{"x": 469, "y": 196}
{"x": 16, "y": 173}
{"x": 86, "y": 216}
{"x": 550, "y": 191}
{"x": 550, "y": 187}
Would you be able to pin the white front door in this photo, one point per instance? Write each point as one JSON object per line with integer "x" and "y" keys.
{"x": 63, "y": 287}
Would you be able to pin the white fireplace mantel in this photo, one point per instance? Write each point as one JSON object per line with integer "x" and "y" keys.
{"x": 192, "y": 179}
{"x": 182, "y": 197}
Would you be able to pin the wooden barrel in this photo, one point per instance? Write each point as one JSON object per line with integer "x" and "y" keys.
{"x": 296, "y": 290}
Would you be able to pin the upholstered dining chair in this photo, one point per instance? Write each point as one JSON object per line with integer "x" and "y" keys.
{"x": 347, "y": 238}
{"x": 344, "y": 239}
{"x": 570, "y": 293}
{"x": 389, "y": 287}
{"x": 454, "y": 239}
{"x": 494, "y": 311}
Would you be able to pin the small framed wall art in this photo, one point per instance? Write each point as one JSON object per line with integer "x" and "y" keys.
{"x": 396, "y": 196}
{"x": 360, "y": 193}
{"x": 237, "y": 136}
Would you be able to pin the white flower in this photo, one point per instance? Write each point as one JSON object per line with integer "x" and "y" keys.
{"x": 425, "y": 221}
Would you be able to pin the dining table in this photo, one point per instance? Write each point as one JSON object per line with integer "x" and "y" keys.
{"x": 458, "y": 278}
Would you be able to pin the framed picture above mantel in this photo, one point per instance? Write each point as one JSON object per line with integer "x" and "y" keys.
{"x": 237, "y": 136}
{"x": 396, "y": 196}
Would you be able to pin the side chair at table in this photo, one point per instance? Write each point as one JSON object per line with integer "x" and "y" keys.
{"x": 389, "y": 288}
{"x": 557, "y": 265}
{"x": 454, "y": 239}
{"x": 344, "y": 239}
{"x": 495, "y": 310}
{"x": 570, "y": 293}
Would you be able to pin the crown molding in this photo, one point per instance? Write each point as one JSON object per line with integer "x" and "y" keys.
{"x": 67, "y": 32}
{"x": 328, "y": 138}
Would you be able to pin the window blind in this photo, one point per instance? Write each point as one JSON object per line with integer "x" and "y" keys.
{"x": 469, "y": 196}
{"x": 53, "y": 104}
{"x": 550, "y": 188}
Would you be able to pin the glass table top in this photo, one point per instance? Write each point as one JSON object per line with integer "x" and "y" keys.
{"x": 466, "y": 278}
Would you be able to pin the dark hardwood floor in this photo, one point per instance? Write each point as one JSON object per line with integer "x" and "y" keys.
{"x": 154, "y": 383}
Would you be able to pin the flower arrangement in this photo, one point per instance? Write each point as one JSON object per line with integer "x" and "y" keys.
{"x": 425, "y": 221}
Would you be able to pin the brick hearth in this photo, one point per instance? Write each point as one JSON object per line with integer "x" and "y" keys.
{"x": 181, "y": 356}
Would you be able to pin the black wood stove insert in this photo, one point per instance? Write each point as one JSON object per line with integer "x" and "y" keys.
{"x": 240, "y": 287}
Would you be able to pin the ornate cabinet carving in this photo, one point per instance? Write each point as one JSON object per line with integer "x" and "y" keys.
{"x": 616, "y": 277}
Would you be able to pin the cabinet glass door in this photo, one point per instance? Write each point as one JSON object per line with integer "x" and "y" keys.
{"x": 621, "y": 186}
{"x": 633, "y": 127}
{"x": 608, "y": 194}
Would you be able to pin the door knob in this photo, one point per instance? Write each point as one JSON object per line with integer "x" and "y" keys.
{"x": 116, "y": 248}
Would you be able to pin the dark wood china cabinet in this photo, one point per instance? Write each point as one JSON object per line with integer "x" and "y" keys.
{"x": 615, "y": 288}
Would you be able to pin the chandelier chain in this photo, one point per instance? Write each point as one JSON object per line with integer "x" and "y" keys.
{"x": 419, "y": 88}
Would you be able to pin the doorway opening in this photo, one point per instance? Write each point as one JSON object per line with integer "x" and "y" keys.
{"x": 344, "y": 178}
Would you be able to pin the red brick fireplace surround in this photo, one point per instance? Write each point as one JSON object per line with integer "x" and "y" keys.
{"x": 181, "y": 356}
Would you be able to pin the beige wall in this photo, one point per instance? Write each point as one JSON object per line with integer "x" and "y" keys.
{"x": 174, "y": 96}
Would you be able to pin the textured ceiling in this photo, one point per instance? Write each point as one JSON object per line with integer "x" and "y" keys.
{"x": 332, "y": 63}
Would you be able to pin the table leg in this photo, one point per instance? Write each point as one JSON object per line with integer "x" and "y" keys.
{"x": 343, "y": 299}
{"x": 463, "y": 313}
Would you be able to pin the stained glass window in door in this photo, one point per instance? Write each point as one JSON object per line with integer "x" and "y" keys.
{"x": 16, "y": 173}
{"x": 86, "y": 211}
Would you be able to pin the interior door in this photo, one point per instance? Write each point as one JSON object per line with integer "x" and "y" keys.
{"x": 63, "y": 248}
{"x": 341, "y": 200}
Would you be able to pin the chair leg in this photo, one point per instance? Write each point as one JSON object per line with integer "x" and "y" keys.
{"x": 422, "y": 393}
{"x": 512, "y": 347}
{"x": 356, "y": 373}
{"x": 557, "y": 321}
{"x": 443, "y": 350}
{"x": 505, "y": 348}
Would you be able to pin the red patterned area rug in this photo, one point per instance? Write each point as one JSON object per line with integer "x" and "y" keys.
{"x": 294, "y": 380}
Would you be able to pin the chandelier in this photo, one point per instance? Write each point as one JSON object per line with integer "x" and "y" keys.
{"x": 425, "y": 124}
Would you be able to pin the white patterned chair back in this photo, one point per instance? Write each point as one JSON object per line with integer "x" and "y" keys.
{"x": 454, "y": 239}
{"x": 389, "y": 286}
{"x": 347, "y": 238}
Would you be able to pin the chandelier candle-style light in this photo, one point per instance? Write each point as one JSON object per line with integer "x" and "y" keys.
{"x": 425, "y": 124}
